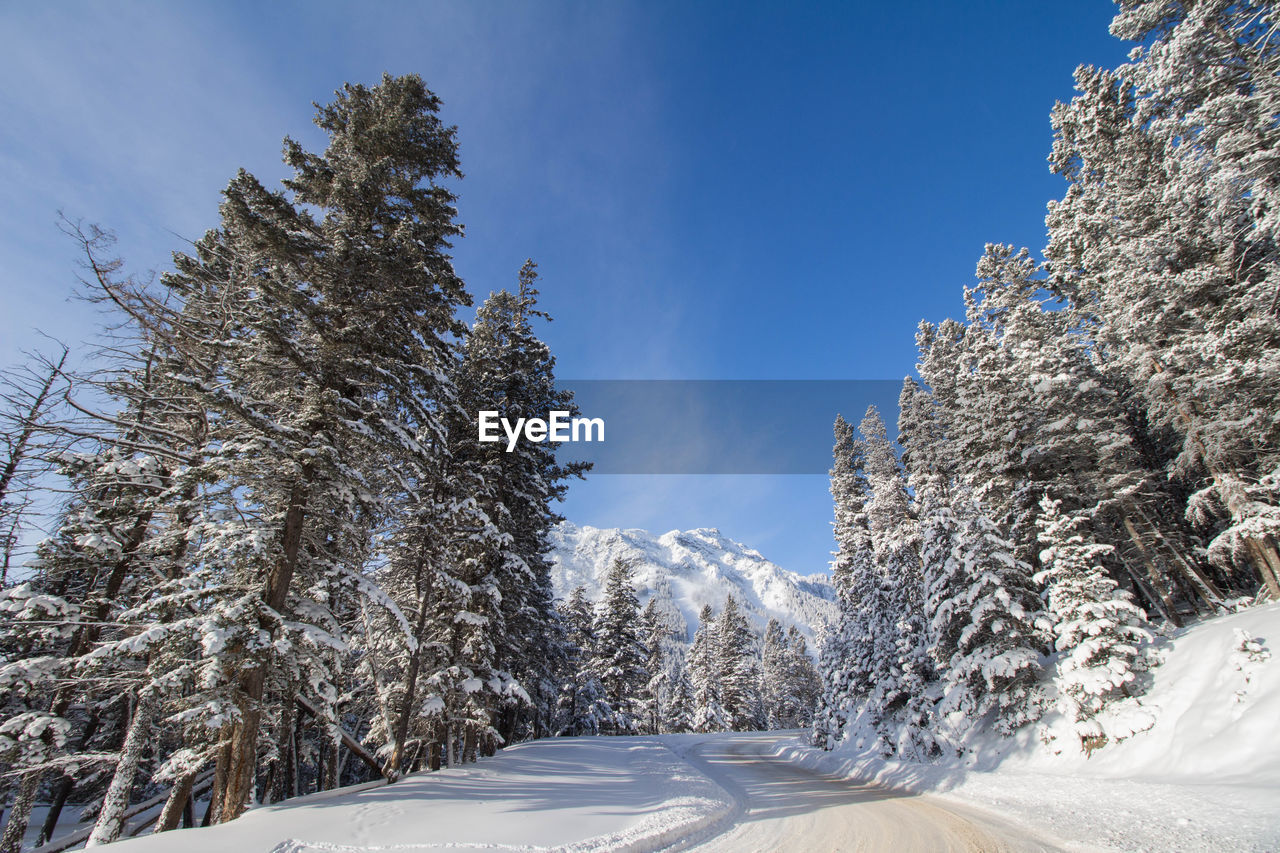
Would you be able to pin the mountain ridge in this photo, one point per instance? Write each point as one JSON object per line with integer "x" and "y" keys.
{"x": 687, "y": 569}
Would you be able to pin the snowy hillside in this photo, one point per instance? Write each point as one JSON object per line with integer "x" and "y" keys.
{"x": 689, "y": 569}
{"x": 1203, "y": 774}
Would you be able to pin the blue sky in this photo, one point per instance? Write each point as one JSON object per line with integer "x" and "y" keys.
{"x": 726, "y": 190}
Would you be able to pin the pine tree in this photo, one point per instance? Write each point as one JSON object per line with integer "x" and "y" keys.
{"x": 679, "y": 713}
{"x": 932, "y": 468}
{"x": 619, "y": 653}
{"x": 996, "y": 665}
{"x": 804, "y": 683}
{"x": 345, "y": 297}
{"x": 846, "y": 654}
{"x": 875, "y": 663}
{"x": 903, "y": 666}
{"x": 581, "y": 705}
{"x": 848, "y": 492}
{"x": 709, "y": 714}
{"x": 1100, "y": 632}
{"x": 789, "y": 684}
{"x": 738, "y": 670}
{"x": 947, "y": 579}
{"x": 505, "y": 367}
{"x": 774, "y": 695}
{"x": 657, "y": 691}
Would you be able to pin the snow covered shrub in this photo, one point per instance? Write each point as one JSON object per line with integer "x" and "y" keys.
{"x": 1246, "y": 656}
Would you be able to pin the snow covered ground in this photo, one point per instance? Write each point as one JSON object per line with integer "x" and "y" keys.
{"x": 572, "y": 794}
{"x": 1204, "y": 777}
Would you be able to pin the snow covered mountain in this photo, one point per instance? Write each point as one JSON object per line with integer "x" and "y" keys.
{"x": 688, "y": 569}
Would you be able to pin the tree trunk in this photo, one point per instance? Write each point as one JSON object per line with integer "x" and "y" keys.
{"x": 178, "y": 806}
{"x": 242, "y": 748}
{"x": 20, "y": 812}
{"x": 281, "y": 787}
{"x": 295, "y": 780}
{"x": 1267, "y": 559}
{"x": 111, "y": 817}
{"x": 469, "y": 743}
{"x": 410, "y": 694}
{"x": 330, "y": 754}
{"x": 242, "y": 742}
{"x": 1165, "y": 603}
{"x": 60, "y": 795}
{"x": 68, "y": 783}
{"x": 344, "y": 761}
{"x": 219, "y": 779}
{"x": 321, "y": 762}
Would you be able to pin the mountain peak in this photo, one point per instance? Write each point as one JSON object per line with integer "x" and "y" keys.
{"x": 688, "y": 569}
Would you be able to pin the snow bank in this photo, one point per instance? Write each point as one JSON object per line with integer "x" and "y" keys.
{"x": 570, "y": 794}
{"x": 1204, "y": 777}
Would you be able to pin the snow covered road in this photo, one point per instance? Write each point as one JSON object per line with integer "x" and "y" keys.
{"x": 783, "y": 807}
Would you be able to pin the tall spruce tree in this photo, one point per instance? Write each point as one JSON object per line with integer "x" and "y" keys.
{"x": 347, "y": 302}
{"x": 738, "y": 669}
{"x": 505, "y": 367}
{"x": 904, "y": 667}
{"x": 846, "y": 654}
{"x": 709, "y": 714}
{"x": 619, "y": 654}
{"x": 657, "y": 690}
{"x": 581, "y": 707}
{"x": 789, "y": 683}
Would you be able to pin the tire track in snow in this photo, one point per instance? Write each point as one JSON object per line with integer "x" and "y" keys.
{"x": 782, "y": 807}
